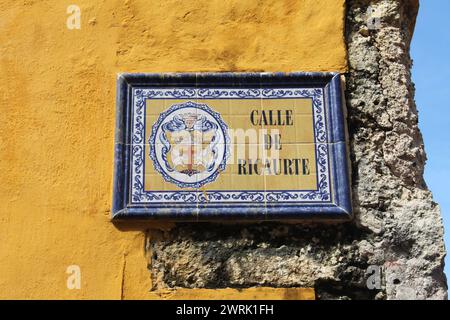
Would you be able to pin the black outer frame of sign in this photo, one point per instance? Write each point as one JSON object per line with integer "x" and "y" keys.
{"x": 331, "y": 83}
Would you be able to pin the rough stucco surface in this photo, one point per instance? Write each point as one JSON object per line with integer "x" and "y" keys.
{"x": 57, "y": 102}
{"x": 397, "y": 225}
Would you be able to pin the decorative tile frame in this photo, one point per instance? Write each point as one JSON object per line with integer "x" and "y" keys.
{"x": 331, "y": 200}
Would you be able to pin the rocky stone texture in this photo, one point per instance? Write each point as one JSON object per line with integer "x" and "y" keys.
{"x": 397, "y": 227}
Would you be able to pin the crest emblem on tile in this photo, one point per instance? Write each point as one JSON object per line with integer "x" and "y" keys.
{"x": 189, "y": 145}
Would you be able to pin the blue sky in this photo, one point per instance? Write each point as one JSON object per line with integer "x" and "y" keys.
{"x": 431, "y": 73}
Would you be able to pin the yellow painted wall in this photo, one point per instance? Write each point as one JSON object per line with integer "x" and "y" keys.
{"x": 57, "y": 100}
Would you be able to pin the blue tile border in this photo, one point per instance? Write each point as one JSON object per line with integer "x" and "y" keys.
{"x": 330, "y": 84}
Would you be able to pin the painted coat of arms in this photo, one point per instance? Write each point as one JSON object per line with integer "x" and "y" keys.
{"x": 189, "y": 145}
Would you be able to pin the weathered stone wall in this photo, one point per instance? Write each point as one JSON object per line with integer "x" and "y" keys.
{"x": 397, "y": 225}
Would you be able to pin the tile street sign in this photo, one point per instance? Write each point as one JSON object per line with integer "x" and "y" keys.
{"x": 230, "y": 145}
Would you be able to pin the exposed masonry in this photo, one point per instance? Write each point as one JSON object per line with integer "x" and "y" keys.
{"x": 397, "y": 225}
